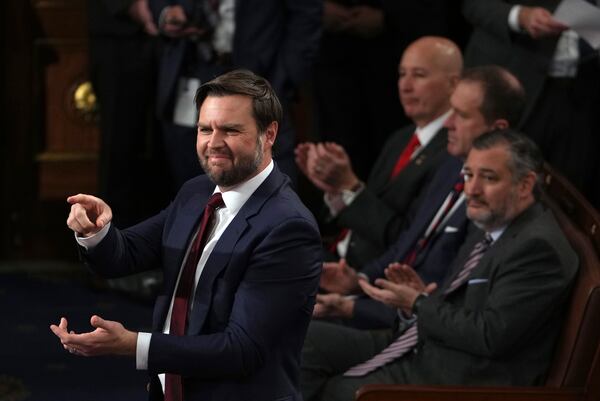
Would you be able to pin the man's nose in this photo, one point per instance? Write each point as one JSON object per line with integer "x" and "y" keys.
{"x": 216, "y": 138}
{"x": 449, "y": 123}
{"x": 405, "y": 84}
{"x": 472, "y": 186}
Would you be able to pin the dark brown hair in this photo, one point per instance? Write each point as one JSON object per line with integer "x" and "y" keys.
{"x": 266, "y": 107}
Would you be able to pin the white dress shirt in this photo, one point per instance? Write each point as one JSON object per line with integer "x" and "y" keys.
{"x": 234, "y": 199}
{"x": 566, "y": 55}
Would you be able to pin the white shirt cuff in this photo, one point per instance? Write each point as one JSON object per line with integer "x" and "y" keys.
{"x": 513, "y": 19}
{"x": 407, "y": 320}
{"x": 162, "y": 17}
{"x": 337, "y": 202}
{"x": 334, "y": 203}
{"x": 90, "y": 242}
{"x": 141, "y": 351}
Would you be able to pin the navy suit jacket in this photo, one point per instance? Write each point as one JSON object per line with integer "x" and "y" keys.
{"x": 277, "y": 39}
{"x": 432, "y": 262}
{"x": 253, "y": 301}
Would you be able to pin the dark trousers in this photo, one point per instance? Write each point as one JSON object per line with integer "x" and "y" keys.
{"x": 331, "y": 349}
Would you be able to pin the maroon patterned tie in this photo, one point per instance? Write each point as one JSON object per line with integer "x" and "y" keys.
{"x": 173, "y": 385}
{"x": 410, "y": 337}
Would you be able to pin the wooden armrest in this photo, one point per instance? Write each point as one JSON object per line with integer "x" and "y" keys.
{"x": 392, "y": 392}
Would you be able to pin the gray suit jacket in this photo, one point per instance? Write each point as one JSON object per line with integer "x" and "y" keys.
{"x": 500, "y": 327}
{"x": 377, "y": 215}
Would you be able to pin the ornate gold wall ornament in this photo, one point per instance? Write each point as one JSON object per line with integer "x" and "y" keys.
{"x": 83, "y": 102}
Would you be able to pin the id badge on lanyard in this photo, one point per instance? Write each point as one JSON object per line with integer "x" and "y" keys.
{"x": 186, "y": 113}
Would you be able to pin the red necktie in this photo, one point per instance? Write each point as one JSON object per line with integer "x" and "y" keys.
{"x": 402, "y": 162}
{"x": 173, "y": 385}
{"x": 405, "y": 156}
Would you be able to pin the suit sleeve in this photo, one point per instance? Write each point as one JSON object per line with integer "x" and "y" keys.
{"x": 273, "y": 300}
{"x": 370, "y": 314}
{"x": 372, "y": 218}
{"x": 522, "y": 295}
{"x": 368, "y": 215}
{"x": 489, "y": 15}
{"x": 298, "y": 49}
{"x": 122, "y": 253}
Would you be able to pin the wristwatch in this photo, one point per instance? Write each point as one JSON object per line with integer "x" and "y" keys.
{"x": 418, "y": 301}
{"x": 348, "y": 195}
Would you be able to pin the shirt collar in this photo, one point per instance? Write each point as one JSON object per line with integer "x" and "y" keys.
{"x": 235, "y": 198}
{"x": 495, "y": 234}
{"x": 428, "y": 132}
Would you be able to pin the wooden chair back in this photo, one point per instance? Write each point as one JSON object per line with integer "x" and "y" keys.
{"x": 574, "y": 374}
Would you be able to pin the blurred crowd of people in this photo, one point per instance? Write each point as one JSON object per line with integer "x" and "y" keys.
{"x": 337, "y": 61}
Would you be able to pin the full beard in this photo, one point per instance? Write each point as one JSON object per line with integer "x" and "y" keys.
{"x": 245, "y": 167}
{"x": 489, "y": 219}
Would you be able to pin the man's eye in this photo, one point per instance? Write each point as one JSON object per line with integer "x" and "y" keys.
{"x": 205, "y": 131}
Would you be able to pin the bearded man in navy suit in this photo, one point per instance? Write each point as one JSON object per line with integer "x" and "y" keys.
{"x": 257, "y": 274}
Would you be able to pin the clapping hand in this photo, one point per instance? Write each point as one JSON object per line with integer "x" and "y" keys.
{"x": 338, "y": 277}
{"x": 400, "y": 288}
{"x": 108, "y": 337}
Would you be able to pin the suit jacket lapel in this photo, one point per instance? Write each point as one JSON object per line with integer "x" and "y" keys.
{"x": 419, "y": 161}
{"x": 434, "y": 202}
{"x": 221, "y": 254}
{"x": 379, "y": 177}
{"x": 508, "y": 237}
{"x": 498, "y": 247}
{"x": 188, "y": 218}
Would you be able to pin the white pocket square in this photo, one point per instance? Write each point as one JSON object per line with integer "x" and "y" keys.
{"x": 478, "y": 281}
{"x": 450, "y": 229}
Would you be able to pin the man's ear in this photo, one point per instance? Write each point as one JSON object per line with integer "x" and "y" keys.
{"x": 271, "y": 133}
{"x": 454, "y": 80}
{"x": 500, "y": 123}
{"x": 527, "y": 184}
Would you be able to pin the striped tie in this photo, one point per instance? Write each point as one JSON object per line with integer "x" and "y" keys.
{"x": 410, "y": 337}
{"x": 472, "y": 261}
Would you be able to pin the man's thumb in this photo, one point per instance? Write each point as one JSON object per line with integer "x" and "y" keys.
{"x": 97, "y": 322}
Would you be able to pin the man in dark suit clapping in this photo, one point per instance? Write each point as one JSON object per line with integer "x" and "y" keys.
{"x": 495, "y": 319}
